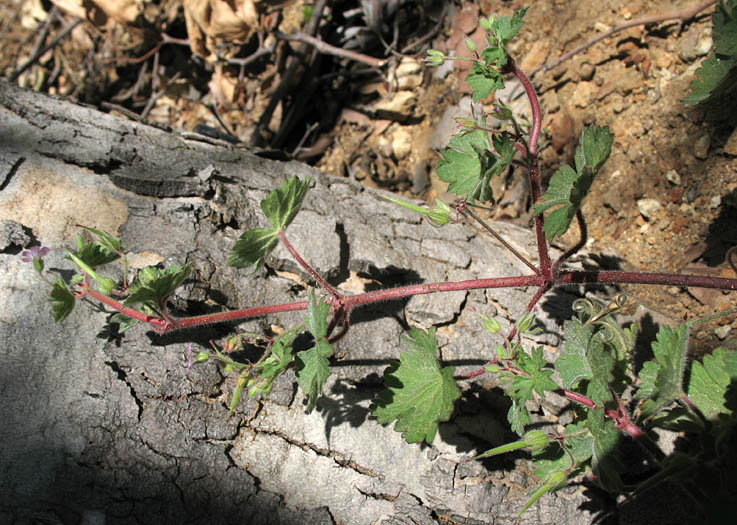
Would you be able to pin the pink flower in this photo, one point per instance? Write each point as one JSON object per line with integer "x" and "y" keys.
{"x": 35, "y": 255}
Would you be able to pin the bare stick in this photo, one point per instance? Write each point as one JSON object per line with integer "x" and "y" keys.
{"x": 39, "y": 53}
{"x": 681, "y": 15}
{"x": 328, "y": 49}
{"x": 501, "y": 239}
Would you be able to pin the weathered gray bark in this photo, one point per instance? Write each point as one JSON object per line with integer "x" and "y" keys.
{"x": 97, "y": 428}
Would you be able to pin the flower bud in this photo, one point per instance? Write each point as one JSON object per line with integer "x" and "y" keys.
{"x": 485, "y": 24}
{"x": 494, "y": 369}
{"x": 556, "y": 480}
{"x": 502, "y": 113}
{"x": 202, "y": 357}
{"x": 535, "y": 440}
{"x": 501, "y": 352}
{"x": 440, "y": 214}
{"x": 490, "y": 325}
{"x": 471, "y": 45}
{"x": 434, "y": 58}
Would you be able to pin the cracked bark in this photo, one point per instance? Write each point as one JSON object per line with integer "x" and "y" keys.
{"x": 97, "y": 426}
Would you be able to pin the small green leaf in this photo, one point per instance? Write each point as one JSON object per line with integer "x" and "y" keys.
{"x": 274, "y": 365}
{"x": 465, "y": 166}
{"x": 482, "y": 80}
{"x": 251, "y": 249}
{"x": 125, "y": 323}
{"x": 586, "y": 357}
{"x": 62, "y": 300}
{"x": 506, "y": 28}
{"x": 420, "y": 394}
{"x": 518, "y": 416}
{"x": 313, "y": 369}
{"x": 597, "y": 144}
{"x": 504, "y": 146}
{"x": 153, "y": 285}
{"x": 670, "y": 351}
{"x": 716, "y": 79}
{"x": 242, "y": 380}
{"x": 604, "y": 462}
{"x": 317, "y": 317}
{"x": 710, "y": 381}
{"x": 281, "y": 205}
{"x": 567, "y": 187}
{"x": 96, "y": 253}
{"x": 105, "y": 239}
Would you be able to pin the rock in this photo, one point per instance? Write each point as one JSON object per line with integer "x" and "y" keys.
{"x": 673, "y": 177}
{"x": 701, "y": 147}
{"x": 648, "y": 207}
{"x": 408, "y": 74}
{"x": 715, "y": 202}
{"x": 398, "y": 108}
{"x": 401, "y": 143}
{"x": 586, "y": 71}
{"x": 730, "y": 148}
{"x": 723, "y": 331}
{"x": 584, "y": 94}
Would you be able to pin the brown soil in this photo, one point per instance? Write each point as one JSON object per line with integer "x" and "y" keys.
{"x": 665, "y": 201}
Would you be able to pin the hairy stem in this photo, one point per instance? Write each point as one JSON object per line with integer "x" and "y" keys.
{"x": 501, "y": 239}
{"x": 322, "y": 282}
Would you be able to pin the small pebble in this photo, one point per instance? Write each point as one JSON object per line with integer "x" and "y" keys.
{"x": 673, "y": 177}
{"x": 715, "y": 202}
{"x": 701, "y": 147}
{"x": 723, "y": 331}
{"x": 648, "y": 207}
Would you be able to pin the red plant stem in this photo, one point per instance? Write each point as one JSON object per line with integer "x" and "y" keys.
{"x": 322, "y": 282}
{"x": 130, "y": 312}
{"x": 237, "y": 315}
{"x": 534, "y": 170}
{"x": 351, "y": 301}
{"x": 663, "y": 279}
{"x": 453, "y": 286}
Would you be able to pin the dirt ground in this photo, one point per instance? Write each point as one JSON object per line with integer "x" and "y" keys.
{"x": 665, "y": 201}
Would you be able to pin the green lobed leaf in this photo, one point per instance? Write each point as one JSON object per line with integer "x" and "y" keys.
{"x": 586, "y": 357}
{"x": 534, "y": 365}
{"x": 716, "y": 78}
{"x": 153, "y": 285}
{"x": 710, "y": 380}
{"x": 504, "y": 146}
{"x": 597, "y": 144}
{"x": 420, "y": 394}
{"x": 506, "y": 28}
{"x": 483, "y": 80}
{"x": 62, "y": 300}
{"x": 724, "y": 20}
{"x": 281, "y": 205}
{"x": 107, "y": 240}
{"x": 96, "y": 253}
{"x": 519, "y": 417}
{"x": 273, "y": 366}
{"x": 313, "y": 369}
{"x": 251, "y": 249}
{"x": 317, "y": 317}
{"x": 567, "y": 187}
{"x": 465, "y": 165}
{"x": 604, "y": 462}
{"x": 670, "y": 351}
